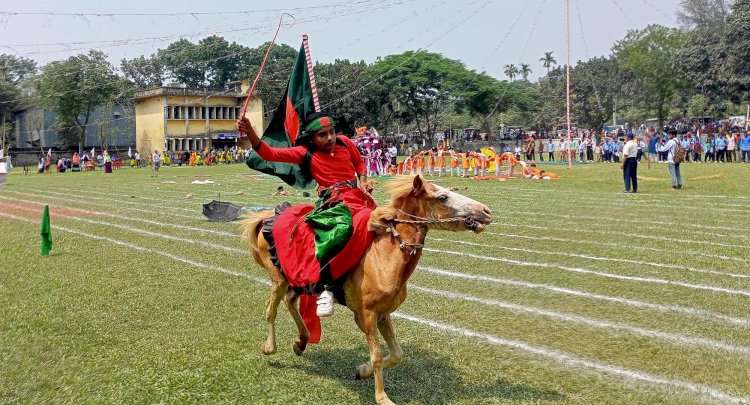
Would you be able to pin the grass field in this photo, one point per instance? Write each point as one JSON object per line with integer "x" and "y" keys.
{"x": 577, "y": 294}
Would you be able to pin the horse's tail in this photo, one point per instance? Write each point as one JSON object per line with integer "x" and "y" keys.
{"x": 250, "y": 230}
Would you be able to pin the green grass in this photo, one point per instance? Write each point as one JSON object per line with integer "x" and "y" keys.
{"x": 174, "y": 313}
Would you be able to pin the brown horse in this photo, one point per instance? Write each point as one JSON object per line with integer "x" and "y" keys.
{"x": 377, "y": 286}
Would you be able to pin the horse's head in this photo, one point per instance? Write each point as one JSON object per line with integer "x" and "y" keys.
{"x": 437, "y": 207}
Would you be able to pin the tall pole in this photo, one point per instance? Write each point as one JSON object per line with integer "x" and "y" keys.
{"x": 747, "y": 118}
{"x": 567, "y": 75}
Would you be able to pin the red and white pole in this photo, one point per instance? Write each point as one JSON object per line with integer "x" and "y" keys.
{"x": 310, "y": 72}
{"x": 567, "y": 78}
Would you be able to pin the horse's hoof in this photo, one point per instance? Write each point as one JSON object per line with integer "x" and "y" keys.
{"x": 299, "y": 347}
{"x": 268, "y": 350}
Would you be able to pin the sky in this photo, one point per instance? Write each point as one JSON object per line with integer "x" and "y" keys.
{"x": 483, "y": 34}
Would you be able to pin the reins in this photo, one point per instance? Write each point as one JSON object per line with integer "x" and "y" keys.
{"x": 468, "y": 221}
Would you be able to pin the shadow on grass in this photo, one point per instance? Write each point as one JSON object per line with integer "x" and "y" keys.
{"x": 422, "y": 377}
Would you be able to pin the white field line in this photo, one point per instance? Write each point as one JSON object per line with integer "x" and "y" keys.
{"x": 596, "y": 258}
{"x": 147, "y": 250}
{"x": 181, "y": 195}
{"x": 499, "y": 221}
{"x": 560, "y": 357}
{"x": 106, "y": 200}
{"x": 693, "y": 312}
{"x": 156, "y": 234}
{"x": 595, "y": 273}
{"x": 582, "y": 320}
{"x": 617, "y": 245}
{"x": 635, "y": 222}
{"x": 565, "y": 317}
{"x": 639, "y": 304}
{"x": 656, "y": 198}
{"x": 162, "y": 204}
{"x": 506, "y": 260}
{"x": 107, "y": 214}
{"x": 575, "y": 361}
{"x": 602, "y": 201}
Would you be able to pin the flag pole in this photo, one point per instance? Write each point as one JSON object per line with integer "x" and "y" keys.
{"x": 567, "y": 76}
{"x": 310, "y": 72}
{"x": 262, "y": 65}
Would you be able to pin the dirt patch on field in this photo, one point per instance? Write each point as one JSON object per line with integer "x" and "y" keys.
{"x": 719, "y": 176}
{"x": 34, "y": 211}
{"x": 646, "y": 178}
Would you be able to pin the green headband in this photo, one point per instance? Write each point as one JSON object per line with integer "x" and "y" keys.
{"x": 319, "y": 123}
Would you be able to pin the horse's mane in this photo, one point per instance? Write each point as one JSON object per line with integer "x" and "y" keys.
{"x": 400, "y": 186}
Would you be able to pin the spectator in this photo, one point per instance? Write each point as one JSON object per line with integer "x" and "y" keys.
{"x": 157, "y": 161}
{"x": 674, "y": 168}
{"x": 551, "y": 151}
{"x": 629, "y": 164}
{"x": 745, "y": 147}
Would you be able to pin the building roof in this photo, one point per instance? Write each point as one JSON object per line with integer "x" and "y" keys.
{"x": 180, "y": 91}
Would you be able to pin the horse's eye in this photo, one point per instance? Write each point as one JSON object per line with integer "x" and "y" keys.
{"x": 443, "y": 197}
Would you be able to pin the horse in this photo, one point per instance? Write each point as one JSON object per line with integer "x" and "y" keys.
{"x": 376, "y": 287}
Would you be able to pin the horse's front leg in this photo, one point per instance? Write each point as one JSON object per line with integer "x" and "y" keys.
{"x": 272, "y": 305}
{"x": 395, "y": 354}
{"x": 375, "y": 365}
{"x": 299, "y": 345}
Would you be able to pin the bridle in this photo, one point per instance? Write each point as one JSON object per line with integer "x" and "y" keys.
{"x": 468, "y": 221}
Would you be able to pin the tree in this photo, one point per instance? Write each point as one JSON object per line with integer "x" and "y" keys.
{"x": 74, "y": 87}
{"x": 735, "y": 68}
{"x": 14, "y": 72}
{"x": 421, "y": 84}
{"x": 143, "y": 72}
{"x": 525, "y": 71}
{"x": 651, "y": 54}
{"x": 594, "y": 86}
{"x": 511, "y": 71}
{"x": 703, "y": 14}
{"x": 548, "y": 60}
{"x": 272, "y": 84}
{"x": 183, "y": 63}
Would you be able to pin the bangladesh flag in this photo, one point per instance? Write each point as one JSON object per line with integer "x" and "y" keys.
{"x": 299, "y": 101}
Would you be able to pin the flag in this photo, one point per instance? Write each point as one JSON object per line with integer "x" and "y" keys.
{"x": 49, "y": 152}
{"x": 46, "y": 232}
{"x": 93, "y": 150}
{"x": 130, "y": 152}
{"x": 297, "y": 103}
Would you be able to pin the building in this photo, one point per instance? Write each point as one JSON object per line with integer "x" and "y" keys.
{"x": 184, "y": 119}
{"x": 108, "y": 127}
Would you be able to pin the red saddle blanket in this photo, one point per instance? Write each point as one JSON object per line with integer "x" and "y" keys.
{"x": 294, "y": 241}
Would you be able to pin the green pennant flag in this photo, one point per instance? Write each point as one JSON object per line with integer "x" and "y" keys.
{"x": 297, "y": 103}
{"x": 46, "y": 232}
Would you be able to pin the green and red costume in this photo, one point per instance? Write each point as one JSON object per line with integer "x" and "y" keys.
{"x": 318, "y": 244}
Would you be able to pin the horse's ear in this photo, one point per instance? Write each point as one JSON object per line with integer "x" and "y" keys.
{"x": 418, "y": 184}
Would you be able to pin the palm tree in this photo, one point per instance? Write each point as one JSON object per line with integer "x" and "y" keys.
{"x": 548, "y": 60}
{"x": 511, "y": 71}
{"x": 525, "y": 71}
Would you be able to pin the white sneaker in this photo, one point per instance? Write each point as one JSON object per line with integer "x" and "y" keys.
{"x": 325, "y": 304}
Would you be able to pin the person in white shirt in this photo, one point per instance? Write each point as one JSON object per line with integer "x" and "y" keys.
{"x": 629, "y": 164}
{"x": 674, "y": 168}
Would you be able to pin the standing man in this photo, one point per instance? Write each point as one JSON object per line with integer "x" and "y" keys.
{"x": 745, "y": 148}
{"x": 629, "y": 163}
{"x": 157, "y": 161}
{"x": 551, "y": 151}
{"x": 674, "y": 168}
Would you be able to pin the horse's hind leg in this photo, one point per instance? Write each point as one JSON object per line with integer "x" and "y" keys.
{"x": 272, "y": 304}
{"x": 299, "y": 345}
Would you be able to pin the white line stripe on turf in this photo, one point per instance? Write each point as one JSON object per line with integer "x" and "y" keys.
{"x": 663, "y": 308}
{"x": 561, "y": 357}
{"x": 511, "y": 261}
{"x": 571, "y": 360}
{"x": 108, "y": 214}
{"x": 596, "y": 258}
{"x": 89, "y": 235}
{"x": 617, "y": 245}
{"x": 559, "y": 316}
{"x": 694, "y": 312}
{"x": 593, "y": 272}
